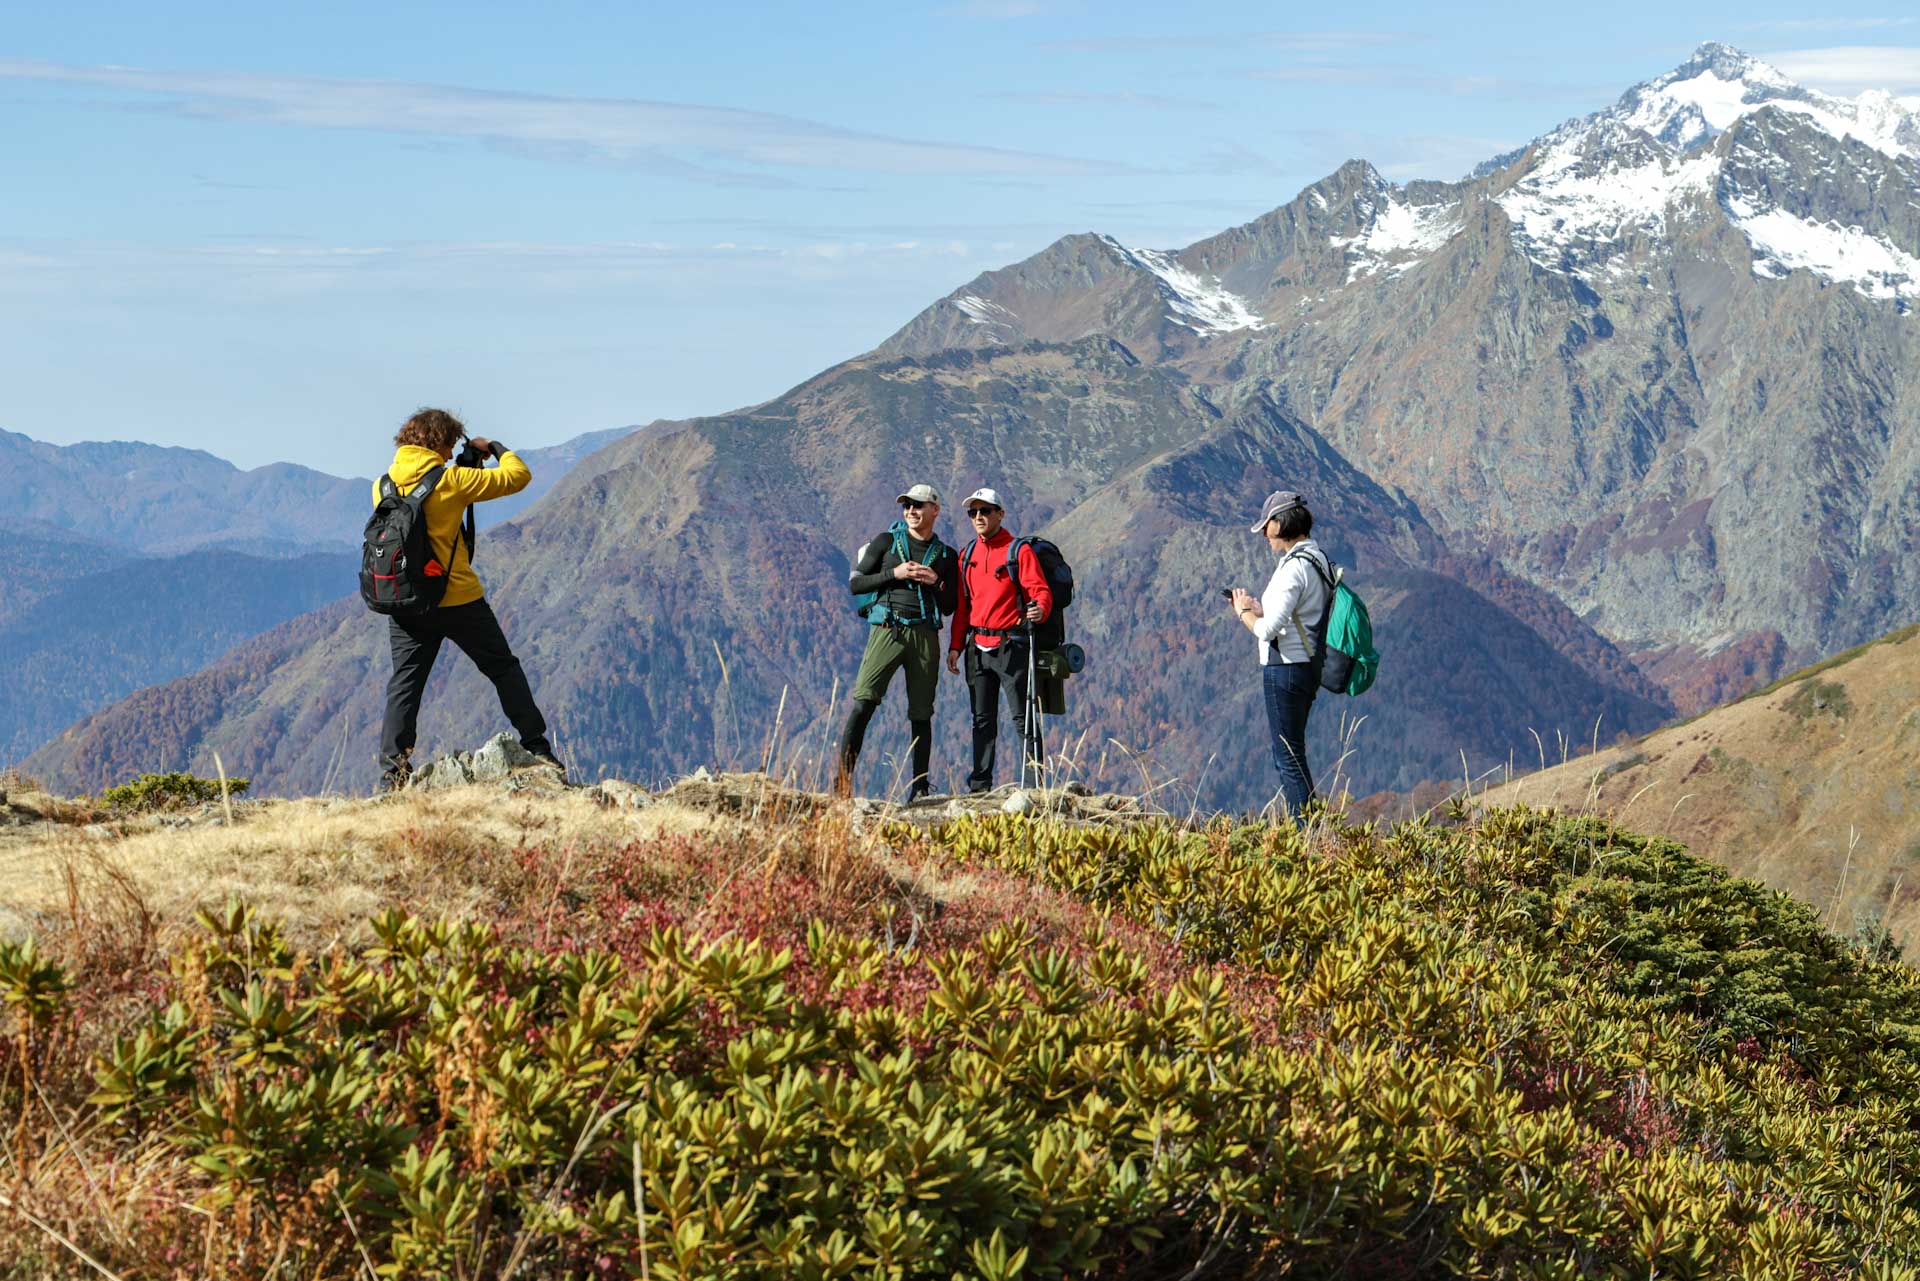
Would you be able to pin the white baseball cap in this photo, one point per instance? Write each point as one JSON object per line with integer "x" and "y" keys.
{"x": 989, "y": 497}
{"x": 919, "y": 494}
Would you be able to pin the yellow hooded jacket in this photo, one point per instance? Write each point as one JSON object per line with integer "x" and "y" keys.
{"x": 447, "y": 505}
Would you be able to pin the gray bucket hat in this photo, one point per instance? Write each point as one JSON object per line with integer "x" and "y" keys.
{"x": 1280, "y": 500}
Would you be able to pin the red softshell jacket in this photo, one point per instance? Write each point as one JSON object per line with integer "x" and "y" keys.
{"x": 987, "y": 595}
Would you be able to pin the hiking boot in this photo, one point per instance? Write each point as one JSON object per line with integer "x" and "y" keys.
{"x": 552, "y": 762}
{"x": 396, "y": 772}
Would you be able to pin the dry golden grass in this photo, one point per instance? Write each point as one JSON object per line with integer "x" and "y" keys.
{"x": 1811, "y": 786}
{"x": 321, "y": 866}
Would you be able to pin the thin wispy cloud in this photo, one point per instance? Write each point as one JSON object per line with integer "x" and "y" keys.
{"x": 1144, "y": 101}
{"x": 996, "y": 9}
{"x": 1850, "y": 69}
{"x": 1399, "y": 157}
{"x": 1224, "y": 158}
{"x": 1411, "y": 79}
{"x": 1828, "y": 24}
{"x": 661, "y": 135}
{"x": 1304, "y": 41}
{"x": 255, "y": 265}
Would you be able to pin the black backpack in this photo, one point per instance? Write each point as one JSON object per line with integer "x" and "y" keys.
{"x": 399, "y": 573}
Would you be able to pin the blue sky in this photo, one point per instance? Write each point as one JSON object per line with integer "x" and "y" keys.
{"x": 272, "y": 232}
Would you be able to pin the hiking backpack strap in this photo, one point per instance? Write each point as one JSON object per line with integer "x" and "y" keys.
{"x": 1326, "y": 610}
{"x": 416, "y": 498}
{"x": 902, "y": 553}
{"x": 1013, "y": 573}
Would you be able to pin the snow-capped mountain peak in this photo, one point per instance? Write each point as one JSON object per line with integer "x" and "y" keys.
{"x": 1647, "y": 166}
{"x": 1717, "y": 87}
{"x": 1704, "y": 96}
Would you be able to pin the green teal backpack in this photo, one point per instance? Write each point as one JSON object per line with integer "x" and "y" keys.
{"x": 867, "y": 604}
{"x": 1348, "y": 661}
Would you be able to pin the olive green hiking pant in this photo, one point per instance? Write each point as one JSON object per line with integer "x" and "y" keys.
{"x": 888, "y": 650}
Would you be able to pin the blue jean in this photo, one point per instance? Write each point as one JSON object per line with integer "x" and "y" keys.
{"x": 1289, "y": 689}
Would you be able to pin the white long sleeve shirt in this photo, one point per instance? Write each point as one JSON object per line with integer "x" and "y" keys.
{"x": 1291, "y": 606}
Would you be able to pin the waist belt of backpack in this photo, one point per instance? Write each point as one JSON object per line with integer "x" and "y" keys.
{"x": 884, "y": 615}
{"x": 1001, "y": 632}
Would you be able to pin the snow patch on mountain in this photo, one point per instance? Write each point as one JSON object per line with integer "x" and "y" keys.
{"x": 982, "y": 311}
{"x": 1783, "y": 243}
{"x": 1587, "y": 197}
{"x": 1200, "y": 303}
{"x": 1400, "y": 235}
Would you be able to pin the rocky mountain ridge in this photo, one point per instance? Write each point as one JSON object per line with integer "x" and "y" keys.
{"x": 162, "y": 500}
{"x": 684, "y": 601}
{"x": 1617, "y": 358}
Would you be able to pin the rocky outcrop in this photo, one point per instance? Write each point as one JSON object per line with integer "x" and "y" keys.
{"x": 500, "y": 759}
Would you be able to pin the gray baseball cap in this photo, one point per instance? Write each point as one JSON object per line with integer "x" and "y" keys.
{"x": 1280, "y": 500}
{"x": 919, "y": 494}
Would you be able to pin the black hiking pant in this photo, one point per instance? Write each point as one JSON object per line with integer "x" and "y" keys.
{"x": 988, "y": 672}
{"x": 416, "y": 643}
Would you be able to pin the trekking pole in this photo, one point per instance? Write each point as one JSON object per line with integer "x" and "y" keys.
{"x": 1031, "y": 718}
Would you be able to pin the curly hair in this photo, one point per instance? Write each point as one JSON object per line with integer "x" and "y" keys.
{"x": 436, "y": 429}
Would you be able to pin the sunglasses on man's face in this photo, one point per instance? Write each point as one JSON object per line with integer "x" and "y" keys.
{"x": 911, "y": 506}
{"x": 977, "y": 512}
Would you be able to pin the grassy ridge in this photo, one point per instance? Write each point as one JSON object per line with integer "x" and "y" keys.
{"x": 1524, "y": 1047}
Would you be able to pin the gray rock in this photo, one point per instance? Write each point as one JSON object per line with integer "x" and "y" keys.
{"x": 448, "y": 771}
{"x": 499, "y": 757}
{"x": 1018, "y": 803}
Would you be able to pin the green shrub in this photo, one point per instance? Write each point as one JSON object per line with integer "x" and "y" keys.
{"x": 1633, "y": 760}
{"x": 155, "y": 792}
{"x": 1819, "y": 698}
{"x": 1521, "y": 1047}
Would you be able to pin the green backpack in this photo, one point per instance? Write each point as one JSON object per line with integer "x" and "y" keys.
{"x": 1348, "y": 660}
{"x": 869, "y": 605}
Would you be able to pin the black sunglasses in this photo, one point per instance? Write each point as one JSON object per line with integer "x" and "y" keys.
{"x": 981, "y": 511}
{"x": 910, "y": 505}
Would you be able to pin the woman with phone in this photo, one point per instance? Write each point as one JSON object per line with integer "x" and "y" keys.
{"x": 1288, "y": 620}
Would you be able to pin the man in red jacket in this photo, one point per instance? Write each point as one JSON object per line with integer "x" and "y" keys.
{"x": 993, "y": 625}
